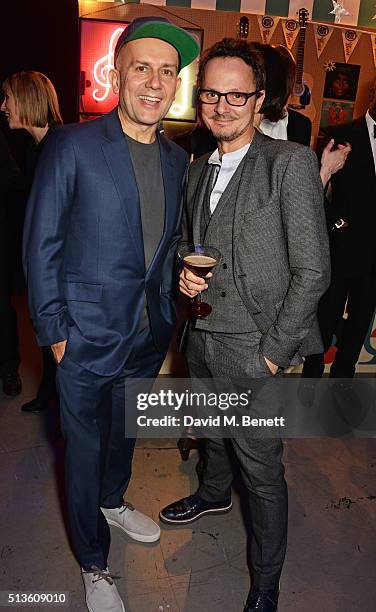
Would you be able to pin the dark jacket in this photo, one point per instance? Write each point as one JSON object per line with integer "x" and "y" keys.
{"x": 299, "y": 128}
{"x": 83, "y": 245}
{"x": 354, "y": 199}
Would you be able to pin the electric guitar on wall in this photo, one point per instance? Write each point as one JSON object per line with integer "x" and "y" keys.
{"x": 301, "y": 95}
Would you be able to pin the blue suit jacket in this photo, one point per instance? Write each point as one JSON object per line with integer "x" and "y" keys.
{"x": 83, "y": 245}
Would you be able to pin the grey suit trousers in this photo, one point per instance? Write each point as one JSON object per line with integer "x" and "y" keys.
{"x": 237, "y": 357}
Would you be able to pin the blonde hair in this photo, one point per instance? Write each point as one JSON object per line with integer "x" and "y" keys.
{"x": 35, "y": 98}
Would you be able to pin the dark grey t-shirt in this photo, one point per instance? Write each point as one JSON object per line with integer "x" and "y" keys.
{"x": 147, "y": 168}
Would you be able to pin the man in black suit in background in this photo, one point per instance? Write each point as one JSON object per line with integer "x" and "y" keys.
{"x": 352, "y": 216}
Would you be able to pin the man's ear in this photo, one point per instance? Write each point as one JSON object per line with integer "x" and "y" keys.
{"x": 260, "y": 101}
{"x": 114, "y": 78}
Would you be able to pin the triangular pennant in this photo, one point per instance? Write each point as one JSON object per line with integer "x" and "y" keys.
{"x": 290, "y": 29}
{"x": 322, "y": 34}
{"x": 350, "y": 39}
{"x": 267, "y": 26}
{"x": 373, "y": 42}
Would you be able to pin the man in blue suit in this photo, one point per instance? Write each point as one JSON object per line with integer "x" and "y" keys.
{"x": 101, "y": 231}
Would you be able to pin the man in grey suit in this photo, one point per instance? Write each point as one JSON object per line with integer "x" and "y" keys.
{"x": 260, "y": 202}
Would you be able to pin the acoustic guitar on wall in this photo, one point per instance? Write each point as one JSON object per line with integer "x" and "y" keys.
{"x": 243, "y": 27}
{"x": 301, "y": 95}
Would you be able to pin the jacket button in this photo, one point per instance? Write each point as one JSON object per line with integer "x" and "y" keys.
{"x": 223, "y": 293}
{"x": 224, "y": 266}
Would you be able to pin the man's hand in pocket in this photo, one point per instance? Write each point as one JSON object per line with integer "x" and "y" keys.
{"x": 58, "y": 350}
{"x": 272, "y": 367}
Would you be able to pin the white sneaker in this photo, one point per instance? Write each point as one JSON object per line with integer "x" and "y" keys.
{"x": 101, "y": 593}
{"x": 135, "y": 524}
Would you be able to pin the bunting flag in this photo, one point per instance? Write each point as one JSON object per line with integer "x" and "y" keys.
{"x": 350, "y": 39}
{"x": 373, "y": 42}
{"x": 322, "y": 34}
{"x": 290, "y": 29}
{"x": 361, "y": 12}
{"x": 267, "y": 26}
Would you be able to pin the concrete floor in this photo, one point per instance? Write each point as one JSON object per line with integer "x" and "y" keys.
{"x": 331, "y": 559}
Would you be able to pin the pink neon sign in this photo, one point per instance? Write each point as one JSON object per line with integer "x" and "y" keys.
{"x": 98, "y": 41}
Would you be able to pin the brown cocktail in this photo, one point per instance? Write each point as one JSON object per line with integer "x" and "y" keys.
{"x": 200, "y": 260}
{"x": 199, "y": 264}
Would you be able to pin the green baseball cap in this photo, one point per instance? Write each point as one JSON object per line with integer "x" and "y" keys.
{"x": 161, "y": 28}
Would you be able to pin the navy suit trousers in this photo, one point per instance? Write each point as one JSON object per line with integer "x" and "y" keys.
{"x": 98, "y": 455}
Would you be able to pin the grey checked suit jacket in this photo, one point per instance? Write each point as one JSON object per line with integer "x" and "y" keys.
{"x": 280, "y": 243}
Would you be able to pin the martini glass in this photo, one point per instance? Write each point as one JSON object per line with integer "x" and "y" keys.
{"x": 200, "y": 260}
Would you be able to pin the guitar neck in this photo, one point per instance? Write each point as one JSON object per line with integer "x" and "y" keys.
{"x": 300, "y": 57}
{"x": 243, "y": 27}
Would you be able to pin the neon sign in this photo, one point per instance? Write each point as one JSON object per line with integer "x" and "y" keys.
{"x": 103, "y": 66}
{"x": 179, "y": 109}
{"x": 98, "y": 42}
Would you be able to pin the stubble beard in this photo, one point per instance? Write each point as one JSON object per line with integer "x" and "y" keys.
{"x": 230, "y": 136}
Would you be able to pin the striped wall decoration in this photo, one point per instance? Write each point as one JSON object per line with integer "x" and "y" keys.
{"x": 361, "y": 12}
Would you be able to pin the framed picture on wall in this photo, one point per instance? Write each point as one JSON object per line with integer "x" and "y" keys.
{"x": 335, "y": 112}
{"x": 342, "y": 82}
{"x": 98, "y": 40}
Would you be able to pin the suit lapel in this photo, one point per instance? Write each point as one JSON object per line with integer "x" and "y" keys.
{"x": 244, "y": 201}
{"x": 230, "y": 193}
{"x": 362, "y": 135}
{"x": 116, "y": 153}
{"x": 199, "y": 202}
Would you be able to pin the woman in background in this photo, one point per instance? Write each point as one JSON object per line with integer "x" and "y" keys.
{"x": 31, "y": 103}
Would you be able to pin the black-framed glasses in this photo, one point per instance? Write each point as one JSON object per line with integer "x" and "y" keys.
{"x": 233, "y": 98}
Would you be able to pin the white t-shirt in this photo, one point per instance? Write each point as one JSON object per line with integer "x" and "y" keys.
{"x": 227, "y": 168}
